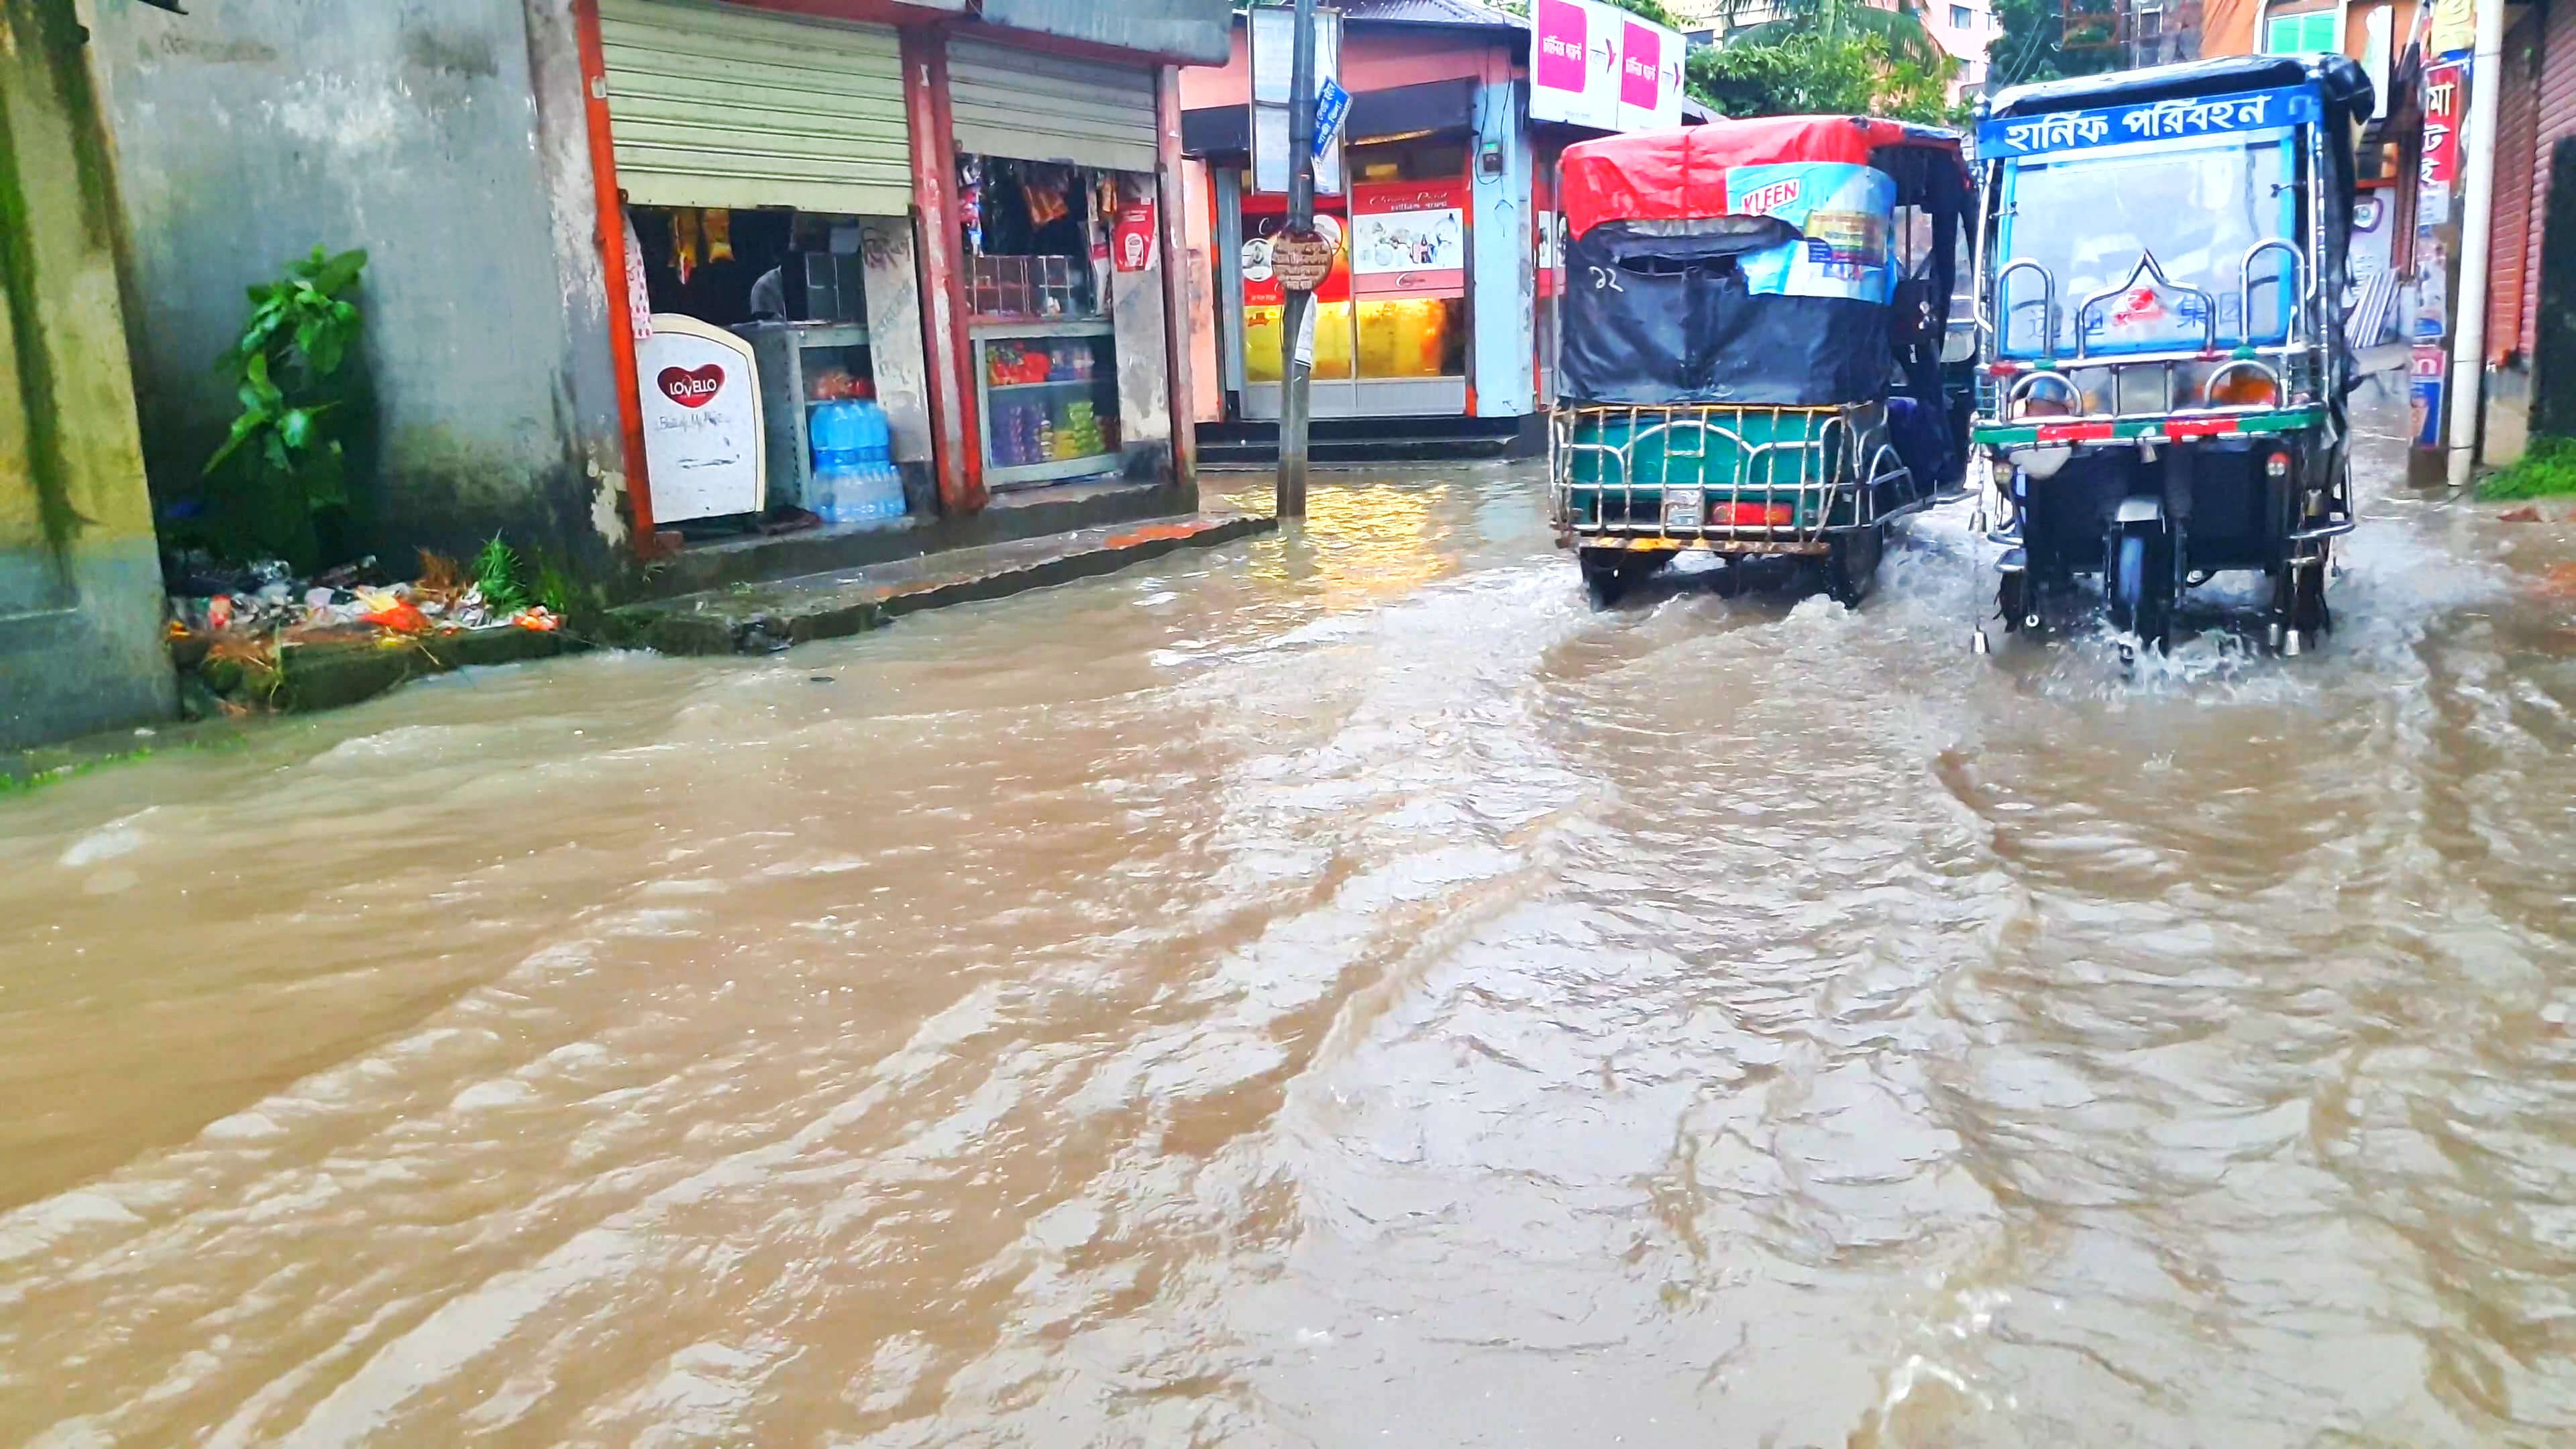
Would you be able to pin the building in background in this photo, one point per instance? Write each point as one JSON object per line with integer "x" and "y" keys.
{"x": 969, "y": 210}
{"x": 2407, "y": 259}
{"x": 1434, "y": 331}
{"x": 1965, "y": 29}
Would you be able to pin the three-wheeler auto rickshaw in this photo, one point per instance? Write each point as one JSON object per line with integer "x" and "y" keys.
{"x": 1750, "y": 344}
{"x": 2159, "y": 258}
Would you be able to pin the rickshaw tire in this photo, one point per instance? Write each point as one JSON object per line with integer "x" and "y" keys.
{"x": 2138, "y": 605}
{"x": 1608, "y": 572}
{"x": 2013, "y": 600}
{"x": 1851, "y": 564}
{"x": 2308, "y": 611}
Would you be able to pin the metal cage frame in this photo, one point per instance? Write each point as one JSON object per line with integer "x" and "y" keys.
{"x": 1861, "y": 469}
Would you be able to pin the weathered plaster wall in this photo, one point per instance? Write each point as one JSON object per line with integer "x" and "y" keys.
{"x": 444, "y": 136}
{"x": 1505, "y": 265}
{"x": 80, "y": 580}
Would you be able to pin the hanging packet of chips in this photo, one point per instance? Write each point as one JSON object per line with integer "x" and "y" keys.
{"x": 717, "y": 223}
{"x": 1046, "y": 203}
{"x": 684, "y": 242}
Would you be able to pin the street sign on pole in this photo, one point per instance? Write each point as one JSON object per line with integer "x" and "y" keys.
{"x": 1274, "y": 35}
{"x": 1330, "y": 102}
{"x": 1297, "y": 363}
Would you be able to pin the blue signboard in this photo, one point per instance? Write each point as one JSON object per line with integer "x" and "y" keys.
{"x": 1330, "y": 102}
{"x": 2155, "y": 120}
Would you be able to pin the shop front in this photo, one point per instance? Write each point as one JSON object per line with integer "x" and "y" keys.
{"x": 1057, "y": 204}
{"x": 886, "y": 264}
{"x": 1425, "y": 329}
{"x": 764, "y": 162}
{"x": 1391, "y": 322}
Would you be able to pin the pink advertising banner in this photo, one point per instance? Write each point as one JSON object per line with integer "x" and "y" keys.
{"x": 1595, "y": 65}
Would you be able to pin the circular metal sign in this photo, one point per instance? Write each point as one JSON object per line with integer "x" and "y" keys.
{"x": 1301, "y": 262}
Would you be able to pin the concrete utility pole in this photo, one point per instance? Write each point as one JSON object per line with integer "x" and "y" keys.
{"x": 1299, "y": 314}
{"x": 2477, "y": 243}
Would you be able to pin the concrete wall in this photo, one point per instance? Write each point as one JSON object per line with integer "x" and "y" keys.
{"x": 1505, "y": 267}
{"x": 447, "y": 138}
{"x": 80, "y": 577}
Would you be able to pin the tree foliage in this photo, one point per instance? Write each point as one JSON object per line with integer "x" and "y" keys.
{"x": 1899, "y": 27}
{"x": 1651, "y": 10}
{"x": 1818, "y": 72}
{"x": 2034, "y": 41}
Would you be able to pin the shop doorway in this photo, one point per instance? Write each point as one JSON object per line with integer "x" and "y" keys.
{"x": 765, "y": 162}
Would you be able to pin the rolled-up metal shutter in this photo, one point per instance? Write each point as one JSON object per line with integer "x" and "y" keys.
{"x": 1039, "y": 107}
{"x": 712, "y": 106}
{"x": 2553, "y": 120}
{"x": 2517, "y": 110}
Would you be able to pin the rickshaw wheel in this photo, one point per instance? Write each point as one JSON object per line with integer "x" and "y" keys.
{"x": 1608, "y": 572}
{"x": 2141, "y": 587}
{"x": 2013, "y": 599}
{"x": 2308, "y": 612}
{"x": 1851, "y": 564}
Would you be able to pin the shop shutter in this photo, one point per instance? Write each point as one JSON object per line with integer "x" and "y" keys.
{"x": 2555, "y": 119}
{"x": 1039, "y": 107}
{"x": 723, "y": 107}
{"x": 2517, "y": 105}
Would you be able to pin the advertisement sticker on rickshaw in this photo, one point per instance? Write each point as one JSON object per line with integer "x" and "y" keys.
{"x": 1844, "y": 213}
{"x": 2145, "y": 317}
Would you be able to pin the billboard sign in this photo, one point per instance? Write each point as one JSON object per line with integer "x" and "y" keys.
{"x": 1593, "y": 64}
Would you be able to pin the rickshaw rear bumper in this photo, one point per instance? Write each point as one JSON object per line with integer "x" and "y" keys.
{"x": 1816, "y": 543}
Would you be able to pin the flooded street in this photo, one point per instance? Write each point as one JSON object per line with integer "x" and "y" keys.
{"x": 1335, "y": 989}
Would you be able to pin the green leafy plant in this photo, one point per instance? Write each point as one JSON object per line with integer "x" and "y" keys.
{"x": 2546, "y": 469}
{"x": 556, "y": 589}
{"x": 496, "y": 574}
{"x": 283, "y": 462}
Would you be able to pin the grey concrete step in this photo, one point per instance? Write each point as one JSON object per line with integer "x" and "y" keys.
{"x": 762, "y": 618}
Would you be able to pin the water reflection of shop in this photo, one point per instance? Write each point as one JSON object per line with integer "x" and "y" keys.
{"x": 765, "y": 162}
{"x": 1057, "y": 194}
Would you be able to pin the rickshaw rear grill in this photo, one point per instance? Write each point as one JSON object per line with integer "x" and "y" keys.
{"x": 1780, "y": 478}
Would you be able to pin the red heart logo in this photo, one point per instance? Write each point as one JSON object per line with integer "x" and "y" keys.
{"x": 691, "y": 389}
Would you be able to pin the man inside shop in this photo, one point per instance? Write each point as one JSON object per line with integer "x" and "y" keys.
{"x": 779, "y": 294}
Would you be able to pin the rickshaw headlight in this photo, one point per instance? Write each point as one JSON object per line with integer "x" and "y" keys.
{"x": 2277, "y": 466}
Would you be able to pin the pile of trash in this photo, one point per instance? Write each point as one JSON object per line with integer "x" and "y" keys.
{"x": 229, "y": 624}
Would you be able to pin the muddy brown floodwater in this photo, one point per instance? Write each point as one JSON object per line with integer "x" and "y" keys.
{"x": 1334, "y": 990}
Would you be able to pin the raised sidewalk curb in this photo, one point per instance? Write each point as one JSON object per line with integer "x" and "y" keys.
{"x": 763, "y": 618}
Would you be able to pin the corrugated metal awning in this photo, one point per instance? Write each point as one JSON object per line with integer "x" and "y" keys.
{"x": 711, "y": 107}
{"x": 1039, "y": 107}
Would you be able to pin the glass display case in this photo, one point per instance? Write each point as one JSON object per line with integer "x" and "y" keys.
{"x": 1049, "y": 400}
{"x": 802, "y": 366}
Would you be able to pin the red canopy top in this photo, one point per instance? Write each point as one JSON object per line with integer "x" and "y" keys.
{"x": 1680, "y": 175}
